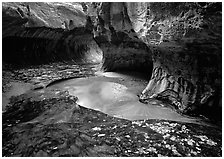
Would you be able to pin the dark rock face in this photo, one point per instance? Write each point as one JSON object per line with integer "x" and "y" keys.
{"x": 42, "y": 45}
{"x": 185, "y": 47}
{"x": 38, "y": 35}
{"x": 121, "y": 47}
{"x": 57, "y": 126}
{"x": 188, "y": 58}
{"x": 178, "y": 44}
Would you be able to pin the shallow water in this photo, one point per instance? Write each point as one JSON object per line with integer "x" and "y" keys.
{"x": 116, "y": 95}
{"x": 112, "y": 93}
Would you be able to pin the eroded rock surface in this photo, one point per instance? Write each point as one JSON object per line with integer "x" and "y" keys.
{"x": 178, "y": 44}
{"x": 183, "y": 40}
{"x": 54, "y": 125}
{"x": 187, "y": 60}
{"x": 37, "y": 34}
{"x": 120, "y": 45}
{"x": 46, "y": 14}
{"x": 43, "y": 45}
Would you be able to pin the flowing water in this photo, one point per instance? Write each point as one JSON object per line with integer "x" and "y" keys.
{"x": 48, "y": 122}
{"x": 116, "y": 95}
{"x": 112, "y": 93}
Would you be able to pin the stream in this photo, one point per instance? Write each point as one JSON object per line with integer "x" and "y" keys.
{"x": 65, "y": 109}
{"x": 115, "y": 94}
{"x": 112, "y": 93}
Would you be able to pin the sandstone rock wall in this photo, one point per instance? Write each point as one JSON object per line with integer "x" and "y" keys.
{"x": 115, "y": 35}
{"x": 41, "y": 45}
{"x": 187, "y": 54}
{"x": 178, "y": 44}
{"x": 182, "y": 39}
{"x": 38, "y": 33}
{"x": 45, "y": 14}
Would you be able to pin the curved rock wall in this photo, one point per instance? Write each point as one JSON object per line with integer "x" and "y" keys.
{"x": 178, "y": 44}
{"x": 38, "y": 36}
{"x": 44, "y": 14}
{"x": 41, "y": 45}
{"x": 182, "y": 39}
{"x": 187, "y": 55}
{"x": 121, "y": 47}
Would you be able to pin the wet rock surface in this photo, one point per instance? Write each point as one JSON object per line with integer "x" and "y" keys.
{"x": 40, "y": 76}
{"x": 47, "y": 73}
{"x": 182, "y": 44}
{"x": 177, "y": 44}
{"x": 50, "y": 123}
{"x": 63, "y": 128}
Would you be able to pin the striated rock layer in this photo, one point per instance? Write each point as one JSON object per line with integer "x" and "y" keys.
{"x": 42, "y": 45}
{"x": 177, "y": 44}
{"x": 182, "y": 40}
{"x": 47, "y": 32}
{"x": 46, "y": 14}
{"x": 187, "y": 60}
{"x": 121, "y": 47}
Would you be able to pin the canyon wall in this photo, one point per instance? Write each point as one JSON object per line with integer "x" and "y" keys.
{"x": 183, "y": 40}
{"x": 43, "y": 45}
{"x": 47, "y": 32}
{"x": 179, "y": 45}
{"x": 187, "y": 56}
{"x": 17, "y": 15}
{"x": 116, "y": 37}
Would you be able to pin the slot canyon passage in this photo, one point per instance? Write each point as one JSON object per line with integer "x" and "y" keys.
{"x": 111, "y": 79}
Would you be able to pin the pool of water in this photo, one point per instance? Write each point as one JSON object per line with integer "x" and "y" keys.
{"x": 116, "y": 95}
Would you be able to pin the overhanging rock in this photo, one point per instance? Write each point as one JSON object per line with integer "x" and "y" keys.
{"x": 182, "y": 39}
{"x": 122, "y": 49}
